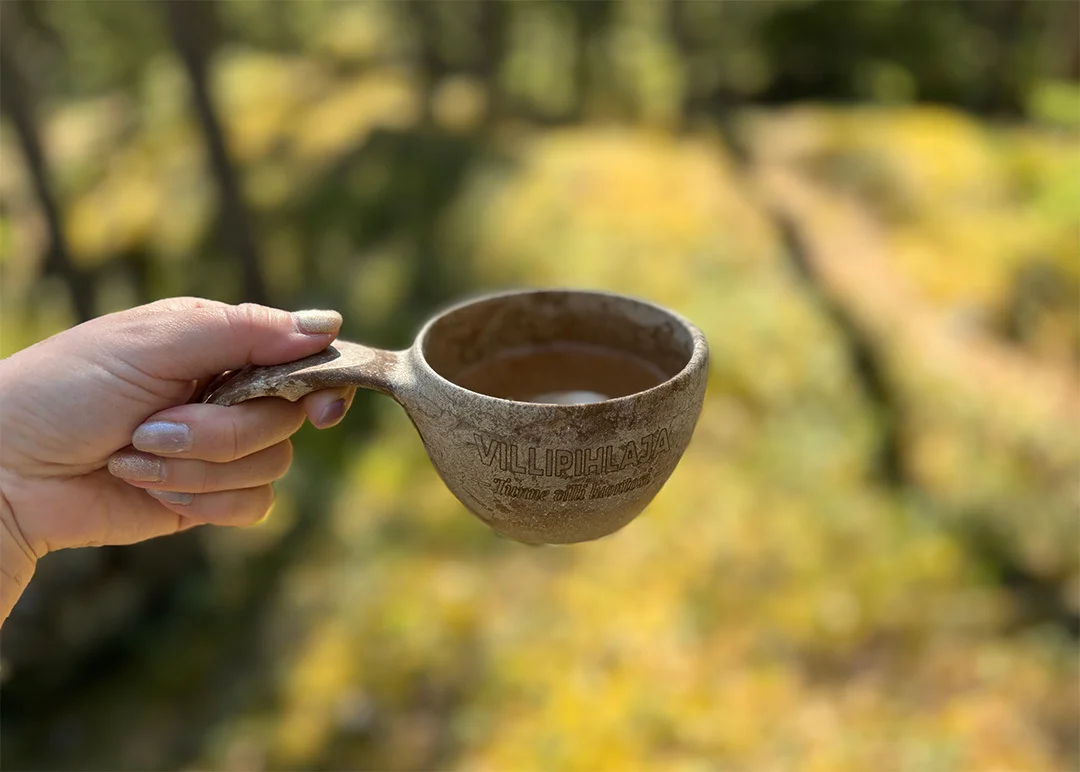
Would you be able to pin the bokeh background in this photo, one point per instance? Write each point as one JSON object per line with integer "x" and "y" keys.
{"x": 868, "y": 558}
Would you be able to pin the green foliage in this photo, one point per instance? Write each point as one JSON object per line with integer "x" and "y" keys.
{"x": 1056, "y": 103}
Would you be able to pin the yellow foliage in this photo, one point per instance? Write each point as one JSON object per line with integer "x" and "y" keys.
{"x": 259, "y": 95}
{"x": 342, "y": 119}
{"x": 965, "y": 207}
{"x": 359, "y": 32}
{"x": 776, "y": 607}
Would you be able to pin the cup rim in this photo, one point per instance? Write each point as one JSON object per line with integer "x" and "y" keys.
{"x": 697, "y": 358}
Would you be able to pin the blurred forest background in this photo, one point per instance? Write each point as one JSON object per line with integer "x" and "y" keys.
{"x": 869, "y": 556}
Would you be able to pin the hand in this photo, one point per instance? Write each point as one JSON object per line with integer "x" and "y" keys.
{"x": 99, "y": 446}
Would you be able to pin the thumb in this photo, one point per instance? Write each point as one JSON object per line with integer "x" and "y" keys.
{"x": 190, "y": 338}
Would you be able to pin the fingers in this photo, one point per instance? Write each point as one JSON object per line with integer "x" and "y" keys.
{"x": 235, "y": 493}
{"x": 240, "y": 507}
{"x": 326, "y": 408}
{"x": 218, "y": 433}
{"x": 214, "y": 464}
{"x": 189, "y": 476}
{"x": 190, "y": 338}
{"x": 221, "y": 434}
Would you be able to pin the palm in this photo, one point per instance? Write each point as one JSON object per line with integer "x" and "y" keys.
{"x": 57, "y": 442}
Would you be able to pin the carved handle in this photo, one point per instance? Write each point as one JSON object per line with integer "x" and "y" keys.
{"x": 342, "y": 364}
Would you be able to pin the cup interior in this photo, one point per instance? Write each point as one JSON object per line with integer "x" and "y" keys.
{"x": 557, "y": 346}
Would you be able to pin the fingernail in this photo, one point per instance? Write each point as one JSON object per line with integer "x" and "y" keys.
{"x": 138, "y": 467}
{"x": 172, "y": 497}
{"x": 332, "y": 414}
{"x": 316, "y": 322}
{"x": 162, "y": 437}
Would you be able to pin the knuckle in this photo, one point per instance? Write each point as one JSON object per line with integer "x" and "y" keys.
{"x": 203, "y": 481}
{"x": 283, "y": 459}
{"x": 231, "y": 443}
{"x": 243, "y": 318}
{"x": 218, "y": 444}
{"x": 296, "y": 414}
{"x": 255, "y": 507}
{"x": 249, "y": 318}
{"x": 180, "y": 305}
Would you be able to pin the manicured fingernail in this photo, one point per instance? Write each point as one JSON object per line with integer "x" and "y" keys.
{"x": 316, "y": 322}
{"x": 137, "y": 467}
{"x": 162, "y": 437}
{"x": 172, "y": 497}
{"x": 332, "y": 414}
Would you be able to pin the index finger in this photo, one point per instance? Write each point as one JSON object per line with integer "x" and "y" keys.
{"x": 218, "y": 433}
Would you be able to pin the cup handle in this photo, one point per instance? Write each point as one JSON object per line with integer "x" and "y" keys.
{"x": 342, "y": 364}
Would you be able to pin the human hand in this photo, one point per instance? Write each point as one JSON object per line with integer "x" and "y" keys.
{"x": 99, "y": 445}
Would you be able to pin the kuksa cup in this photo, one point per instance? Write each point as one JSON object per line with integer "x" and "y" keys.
{"x": 555, "y": 416}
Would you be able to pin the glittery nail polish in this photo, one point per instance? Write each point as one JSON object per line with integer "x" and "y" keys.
{"x": 162, "y": 437}
{"x": 317, "y": 322}
{"x": 139, "y": 467}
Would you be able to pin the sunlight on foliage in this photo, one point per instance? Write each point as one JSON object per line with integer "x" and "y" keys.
{"x": 772, "y": 609}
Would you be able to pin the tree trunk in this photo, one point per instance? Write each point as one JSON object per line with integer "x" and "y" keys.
{"x": 16, "y": 102}
{"x": 193, "y": 28}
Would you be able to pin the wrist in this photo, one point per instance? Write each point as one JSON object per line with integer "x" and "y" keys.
{"x": 17, "y": 560}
